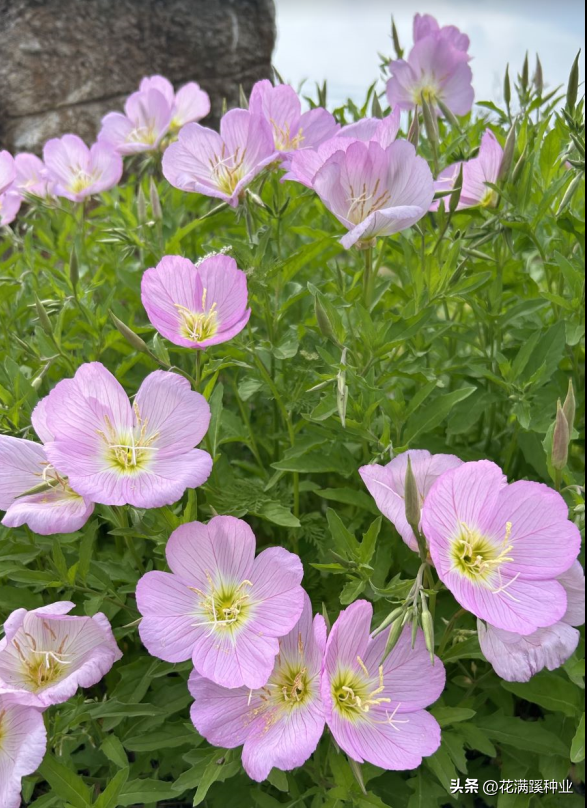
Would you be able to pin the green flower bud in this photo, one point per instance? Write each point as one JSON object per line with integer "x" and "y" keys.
{"x": 133, "y": 339}
{"x": 573, "y": 85}
{"x": 560, "y": 440}
{"x": 508, "y": 154}
{"x": 570, "y": 407}
{"x": 428, "y": 628}
{"x": 414, "y": 131}
{"x": 399, "y": 51}
{"x": 44, "y": 320}
{"x": 395, "y": 633}
{"x": 155, "y": 201}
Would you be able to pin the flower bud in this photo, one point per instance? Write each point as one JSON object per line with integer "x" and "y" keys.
{"x": 428, "y": 627}
{"x": 560, "y": 440}
{"x": 573, "y": 85}
{"x": 395, "y": 633}
{"x": 570, "y": 407}
{"x": 399, "y": 51}
{"x": 322, "y": 318}
{"x": 448, "y": 115}
{"x": 525, "y": 77}
{"x": 389, "y": 619}
{"x": 414, "y": 131}
{"x": 44, "y": 320}
{"x": 155, "y": 201}
{"x": 141, "y": 206}
{"x": 508, "y": 154}
{"x": 412, "y": 498}
{"x": 507, "y": 88}
{"x": 242, "y": 97}
{"x": 74, "y": 269}
{"x": 429, "y": 122}
{"x": 569, "y": 193}
{"x": 133, "y": 339}
{"x": 539, "y": 77}
{"x": 456, "y": 193}
{"x": 376, "y": 110}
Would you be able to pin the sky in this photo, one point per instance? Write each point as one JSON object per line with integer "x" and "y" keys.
{"x": 339, "y": 40}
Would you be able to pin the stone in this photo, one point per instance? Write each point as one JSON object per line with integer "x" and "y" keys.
{"x": 66, "y": 63}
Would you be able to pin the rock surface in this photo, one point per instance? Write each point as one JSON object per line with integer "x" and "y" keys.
{"x": 65, "y": 63}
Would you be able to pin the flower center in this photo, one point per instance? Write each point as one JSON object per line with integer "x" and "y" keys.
{"x": 428, "y": 89}
{"x": 365, "y": 201}
{"x": 143, "y": 134}
{"x": 355, "y": 693}
{"x": 81, "y": 180}
{"x": 225, "y": 607}
{"x": 198, "y": 325}
{"x": 40, "y": 668}
{"x": 131, "y": 452}
{"x": 479, "y": 559}
{"x": 283, "y": 137}
{"x": 228, "y": 171}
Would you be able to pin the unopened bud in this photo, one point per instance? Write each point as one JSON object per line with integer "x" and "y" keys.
{"x": 133, "y": 339}
{"x": 570, "y": 407}
{"x": 539, "y": 77}
{"x": 560, "y": 440}
{"x": 322, "y": 318}
{"x": 395, "y": 632}
{"x": 394, "y": 615}
{"x": 358, "y": 774}
{"x": 525, "y": 77}
{"x": 455, "y": 196}
{"x": 429, "y": 121}
{"x": 44, "y": 320}
{"x": 428, "y": 628}
{"x": 573, "y": 85}
{"x": 399, "y": 51}
{"x": 155, "y": 201}
{"x": 448, "y": 114}
{"x": 242, "y": 97}
{"x": 141, "y": 206}
{"x": 414, "y": 131}
{"x": 508, "y": 154}
{"x": 256, "y": 199}
{"x": 376, "y": 109}
{"x": 569, "y": 193}
{"x": 412, "y": 498}
{"x": 507, "y": 88}
{"x": 342, "y": 396}
{"x": 415, "y": 625}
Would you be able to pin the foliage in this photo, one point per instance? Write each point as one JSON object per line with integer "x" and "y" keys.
{"x": 474, "y": 331}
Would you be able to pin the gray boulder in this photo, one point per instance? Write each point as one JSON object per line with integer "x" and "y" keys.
{"x": 65, "y": 63}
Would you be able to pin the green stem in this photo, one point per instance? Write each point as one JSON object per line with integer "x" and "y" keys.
{"x": 368, "y": 278}
{"x": 198, "y": 378}
{"x": 448, "y": 631}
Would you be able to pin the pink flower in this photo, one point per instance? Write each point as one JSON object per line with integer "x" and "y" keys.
{"x": 117, "y": 454}
{"x": 499, "y": 548}
{"x": 426, "y": 25}
{"x": 142, "y": 127}
{"x": 46, "y": 654}
{"x": 279, "y": 724}
{"x": 196, "y": 305}
{"x": 220, "y": 165}
{"x": 189, "y": 104}
{"x": 305, "y": 163}
{"x": 24, "y": 466}
{"x": 386, "y": 485}
{"x": 375, "y": 710}
{"x": 436, "y": 70}
{"x": 7, "y": 171}
{"x": 476, "y": 174}
{"x": 221, "y": 606}
{"x": 78, "y": 171}
{"x": 10, "y": 203}
{"x": 292, "y": 129}
{"x": 31, "y": 175}
{"x": 374, "y": 191}
{"x": 23, "y": 742}
{"x": 516, "y": 658}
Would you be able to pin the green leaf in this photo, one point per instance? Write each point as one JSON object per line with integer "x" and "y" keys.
{"x": 369, "y": 543}
{"x": 65, "y": 783}
{"x": 147, "y": 791}
{"x": 578, "y": 744}
{"x": 476, "y": 739}
{"x": 211, "y": 773}
{"x": 109, "y": 797}
{"x": 549, "y": 691}
{"x": 451, "y": 715}
{"x": 527, "y": 735}
{"x": 114, "y": 750}
{"x": 351, "y": 591}
{"x": 432, "y": 414}
{"x": 346, "y": 544}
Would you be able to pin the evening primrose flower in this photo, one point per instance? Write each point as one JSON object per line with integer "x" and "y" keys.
{"x": 386, "y": 484}
{"x": 116, "y": 453}
{"x": 292, "y": 130}
{"x": 7, "y": 171}
{"x": 77, "y": 171}
{"x": 31, "y": 175}
{"x": 477, "y": 173}
{"x": 23, "y": 743}
{"x": 221, "y": 606}
{"x": 516, "y": 658}
{"x": 24, "y": 466}
{"x": 10, "y": 203}
{"x": 500, "y": 548}
{"x": 220, "y": 165}
{"x": 142, "y": 127}
{"x": 190, "y": 103}
{"x": 427, "y": 25}
{"x": 374, "y": 191}
{"x": 279, "y": 724}
{"x": 374, "y": 709}
{"x": 196, "y": 305}
{"x": 305, "y": 163}
{"x": 436, "y": 70}
{"x": 46, "y": 653}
